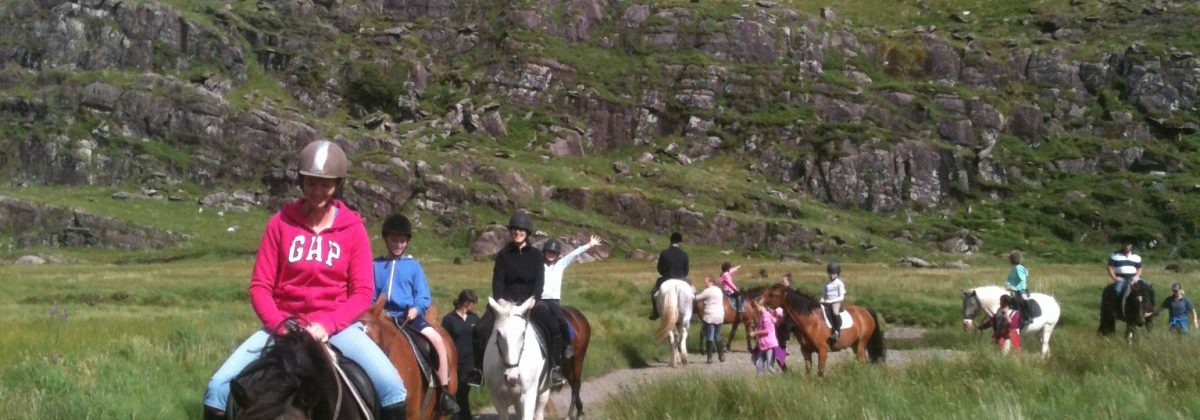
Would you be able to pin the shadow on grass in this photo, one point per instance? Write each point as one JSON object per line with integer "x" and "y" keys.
{"x": 633, "y": 357}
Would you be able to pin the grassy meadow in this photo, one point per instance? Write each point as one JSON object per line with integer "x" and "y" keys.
{"x": 140, "y": 341}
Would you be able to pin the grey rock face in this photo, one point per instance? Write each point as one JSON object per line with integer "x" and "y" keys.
{"x": 37, "y": 225}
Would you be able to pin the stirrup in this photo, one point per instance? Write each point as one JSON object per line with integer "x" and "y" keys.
{"x": 568, "y": 351}
{"x": 556, "y": 376}
{"x": 474, "y": 378}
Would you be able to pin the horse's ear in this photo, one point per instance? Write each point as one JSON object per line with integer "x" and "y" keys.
{"x": 493, "y": 304}
{"x": 377, "y": 308}
{"x": 966, "y": 292}
{"x": 528, "y": 303}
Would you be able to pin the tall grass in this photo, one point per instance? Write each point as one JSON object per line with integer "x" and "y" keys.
{"x": 1085, "y": 378}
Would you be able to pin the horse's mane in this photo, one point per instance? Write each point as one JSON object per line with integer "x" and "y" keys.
{"x": 293, "y": 370}
{"x": 802, "y": 302}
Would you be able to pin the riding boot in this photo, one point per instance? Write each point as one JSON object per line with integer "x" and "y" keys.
{"x": 568, "y": 349}
{"x": 720, "y": 351}
{"x": 446, "y": 402}
{"x": 397, "y": 411}
{"x": 708, "y": 350}
{"x": 556, "y": 352}
{"x": 213, "y": 414}
{"x": 653, "y": 307}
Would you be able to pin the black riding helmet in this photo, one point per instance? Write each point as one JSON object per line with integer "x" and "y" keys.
{"x": 833, "y": 268}
{"x": 520, "y": 220}
{"x": 552, "y": 245}
{"x": 398, "y": 224}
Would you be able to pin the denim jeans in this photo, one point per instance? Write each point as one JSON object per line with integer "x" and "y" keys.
{"x": 711, "y": 332}
{"x": 353, "y": 343}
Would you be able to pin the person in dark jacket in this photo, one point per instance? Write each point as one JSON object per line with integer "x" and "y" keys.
{"x": 672, "y": 264}
{"x": 460, "y": 324}
{"x": 519, "y": 275}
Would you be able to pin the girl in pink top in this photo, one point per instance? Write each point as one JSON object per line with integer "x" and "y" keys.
{"x": 731, "y": 290}
{"x": 768, "y": 343}
{"x": 314, "y": 265}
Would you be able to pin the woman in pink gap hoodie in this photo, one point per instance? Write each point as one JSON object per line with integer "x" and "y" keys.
{"x": 314, "y": 264}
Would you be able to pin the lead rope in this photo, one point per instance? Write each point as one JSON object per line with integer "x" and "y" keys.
{"x": 345, "y": 379}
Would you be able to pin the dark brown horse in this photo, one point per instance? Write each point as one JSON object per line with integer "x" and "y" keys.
{"x": 422, "y": 395}
{"x": 293, "y": 379}
{"x": 805, "y": 312}
{"x": 573, "y": 366}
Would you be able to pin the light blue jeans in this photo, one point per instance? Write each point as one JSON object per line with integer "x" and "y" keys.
{"x": 353, "y": 343}
{"x": 711, "y": 332}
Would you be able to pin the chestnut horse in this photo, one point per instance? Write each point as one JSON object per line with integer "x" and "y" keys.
{"x": 422, "y": 395}
{"x": 806, "y": 314}
{"x": 572, "y": 368}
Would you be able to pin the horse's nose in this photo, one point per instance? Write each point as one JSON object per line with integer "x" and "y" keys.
{"x": 967, "y": 324}
{"x": 512, "y": 377}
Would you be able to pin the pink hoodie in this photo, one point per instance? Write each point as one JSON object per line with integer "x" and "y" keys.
{"x": 770, "y": 317}
{"x": 324, "y": 279}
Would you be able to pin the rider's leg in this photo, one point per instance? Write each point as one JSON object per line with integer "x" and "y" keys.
{"x": 217, "y": 395}
{"x": 564, "y": 330}
{"x": 357, "y": 346}
{"x": 448, "y": 405}
{"x": 654, "y": 303}
{"x": 440, "y": 347}
{"x": 554, "y": 342}
{"x": 835, "y": 320}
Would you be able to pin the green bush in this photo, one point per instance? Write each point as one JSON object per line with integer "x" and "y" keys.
{"x": 376, "y": 86}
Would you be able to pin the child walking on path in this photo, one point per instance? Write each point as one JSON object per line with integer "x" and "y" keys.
{"x": 768, "y": 344}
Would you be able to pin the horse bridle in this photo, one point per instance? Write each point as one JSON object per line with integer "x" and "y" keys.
{"x": 520, "y": 352}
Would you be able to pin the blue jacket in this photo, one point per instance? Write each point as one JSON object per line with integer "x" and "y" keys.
{"x": 409, "y": 287}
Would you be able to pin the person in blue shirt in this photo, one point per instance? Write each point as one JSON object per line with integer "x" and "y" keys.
{"x": 1179, "y": 307}
{"x": 400, "y": 278}
{"x": 1018, "y": 283}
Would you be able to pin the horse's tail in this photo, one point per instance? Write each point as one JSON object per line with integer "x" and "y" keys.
{"x": 669, "y": 309}
{"x": 875, "y": 347}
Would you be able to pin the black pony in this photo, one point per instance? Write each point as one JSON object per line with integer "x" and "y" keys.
{"x": 1136, "y": 310}
{"x": 294, "y": 378}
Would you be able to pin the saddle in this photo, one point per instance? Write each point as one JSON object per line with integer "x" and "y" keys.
{"x": 1033, "y": 308}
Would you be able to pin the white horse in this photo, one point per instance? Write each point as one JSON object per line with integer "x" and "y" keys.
{"x": 987, "y": 298}
{"x": 514, "y": 365}
{"x": 674, "y": 300}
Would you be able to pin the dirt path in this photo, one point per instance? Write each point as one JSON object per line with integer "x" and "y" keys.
{"x": 598, "y": 390}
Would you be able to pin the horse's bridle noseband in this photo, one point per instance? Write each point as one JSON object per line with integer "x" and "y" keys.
{"x": 521, "y": 351}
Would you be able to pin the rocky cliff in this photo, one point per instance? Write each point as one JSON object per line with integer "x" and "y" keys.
{"x": 1072, "y": 124}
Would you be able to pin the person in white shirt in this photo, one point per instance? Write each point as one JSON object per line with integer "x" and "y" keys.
{"x": 835, "y": 293}
{"x": 713, "y": 317}
{"x": 552, "y": 289}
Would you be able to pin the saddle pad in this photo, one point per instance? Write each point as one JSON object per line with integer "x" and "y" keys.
{"x": 425, "y": 355}
{"x": 847, "y": 320}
